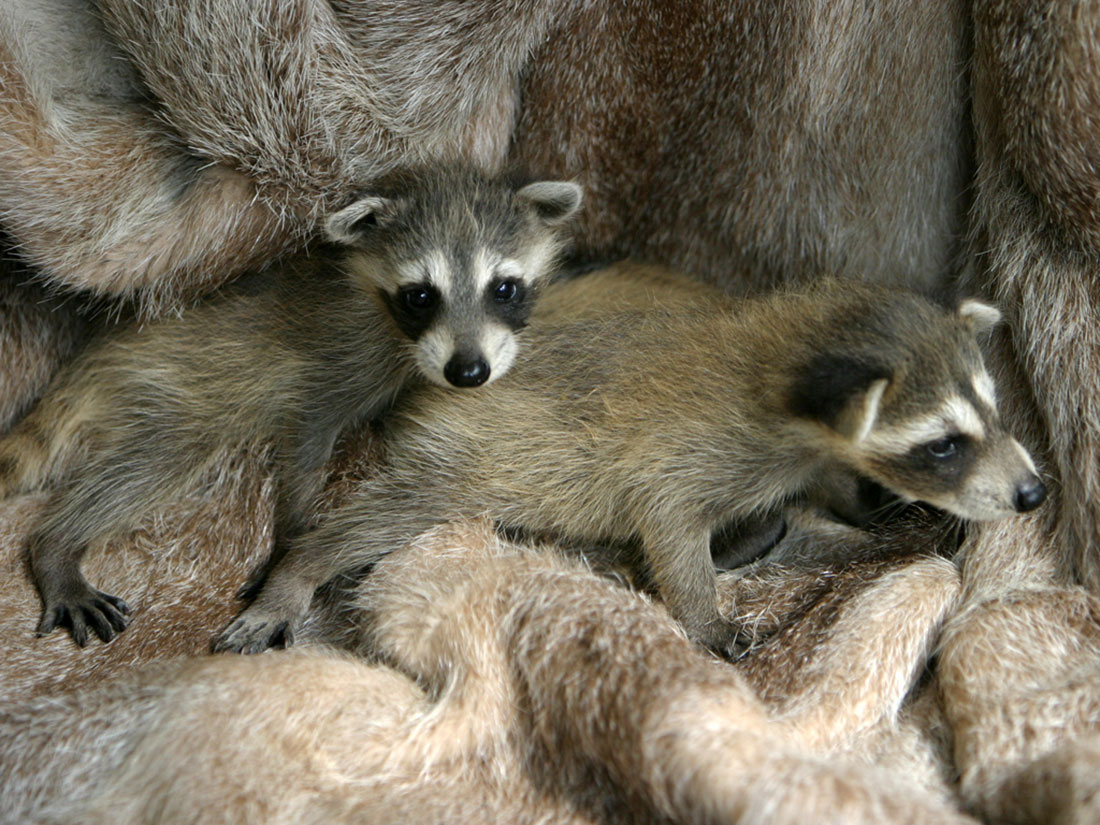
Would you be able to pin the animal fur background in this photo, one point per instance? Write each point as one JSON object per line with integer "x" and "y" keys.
{"x": 144, "y": 160}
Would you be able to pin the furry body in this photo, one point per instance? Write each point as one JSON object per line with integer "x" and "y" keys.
{"x": 852, "y": 133}
{"x": 661, "y": 427}
{"x": 95, "y": 192}
{"x": 473, "y": 722}
{"x": 837, "y": 141}
{"x": 289, "y": 357}
{"x": 776, "y": 148}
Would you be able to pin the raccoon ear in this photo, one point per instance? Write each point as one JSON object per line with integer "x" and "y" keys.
{"x": 978, "y": 315}
{"x": 553, "y": 201}
{"x": 842, "y": 392}
{"x": 858, "y": 419}
{"x": 349, "y": 224}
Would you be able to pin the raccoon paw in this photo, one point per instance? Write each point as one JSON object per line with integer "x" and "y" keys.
{"x": 723, "y": 638}
{"x": 255, "y": 634}
{"x": 103, "y": 614}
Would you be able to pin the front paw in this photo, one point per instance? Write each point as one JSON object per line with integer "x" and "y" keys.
{"x": 255, "y": 631}
{"x": 723, "y": 638}
{"x": 81, "y": 608}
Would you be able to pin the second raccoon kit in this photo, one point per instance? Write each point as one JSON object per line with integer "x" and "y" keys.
{"x": 433, "y": 273}
{"x": 658, "y": 427}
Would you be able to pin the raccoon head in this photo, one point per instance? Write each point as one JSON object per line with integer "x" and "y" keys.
{"x": 920, "y": 416}
{"x": 457, "y": 259}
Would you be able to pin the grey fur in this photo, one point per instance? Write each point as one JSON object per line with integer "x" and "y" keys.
{"x": 289, "y": 357}
{"x": 660, "y": 427}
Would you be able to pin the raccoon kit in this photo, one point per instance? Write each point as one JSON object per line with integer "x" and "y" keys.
{"x": 431, "y": 274}
{"x": 657, "y": 427}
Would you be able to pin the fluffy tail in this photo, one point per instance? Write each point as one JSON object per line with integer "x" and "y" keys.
{"x": 312, "y": 99}
{"x": 94, "y": 189}
{"x": 1037, "y": 226}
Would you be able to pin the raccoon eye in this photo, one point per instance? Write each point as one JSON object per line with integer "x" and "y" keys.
{"x": 944, "y": 447}
{"x": 505, "y": 291}
{"x": 419, "y": 298}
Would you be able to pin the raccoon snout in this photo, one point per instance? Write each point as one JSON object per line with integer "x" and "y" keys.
{"x": 463, "y": 371}
{"x": 1030, "y": 494}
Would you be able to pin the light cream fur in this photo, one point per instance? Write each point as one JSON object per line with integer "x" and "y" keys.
{"x": 788, "y": 141}
{"x": 471, "y": 720}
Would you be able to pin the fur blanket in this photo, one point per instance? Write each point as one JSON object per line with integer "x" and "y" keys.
{"x": 150, "y": 152}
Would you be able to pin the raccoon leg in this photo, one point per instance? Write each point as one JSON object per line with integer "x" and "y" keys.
{"x": 299, "y": 487}
{"x": 41, "y": 445}
{"x": 746, "y": 540}
{"x": 68, "y": 599}
{"x": 683, "y": 570}
{"x": 381, "y": 518}
{"x": 79, "y": 511}
{"x": 111, "y": 491}
{"x": 301, "y": 484}
{"x": 24, "y": 455}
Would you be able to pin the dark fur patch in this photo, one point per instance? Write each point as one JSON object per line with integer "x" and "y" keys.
{"x": 944, "y": 474}
{"x": 8, "y": 467}
{"x": 411, "y": 323}
{"x": 515, "y": 312}
{"x": 828, "y": 382}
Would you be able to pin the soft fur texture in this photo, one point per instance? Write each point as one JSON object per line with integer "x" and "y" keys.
{"x": 770, "y": 142}
{"x": 481, "y": 629}
{"x": 656, "y": 429}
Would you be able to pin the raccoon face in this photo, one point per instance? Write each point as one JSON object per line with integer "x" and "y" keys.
{"x": 466, "y": 334}
{"x": 457, "y": 260}
{"x": 957, "y": 458}
{"x": 926, "y": 429}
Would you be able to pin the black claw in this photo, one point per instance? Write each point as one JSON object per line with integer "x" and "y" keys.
{"x": 228, "y": 642}
{"x": 108, "y": 610}
{"x": 50, "y": 621}
{"x": 95, "y": 618}
{"x": 240, "y": 638}
{"x": 79, "y": 631}
{"x": 259, "y": 641}
{"x": 117, "y": 603}
{"x": 84, "y": 612}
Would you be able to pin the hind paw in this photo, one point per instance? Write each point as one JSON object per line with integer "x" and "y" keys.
{"x": 88, "y": 610}
{"x": 255, "y": 632}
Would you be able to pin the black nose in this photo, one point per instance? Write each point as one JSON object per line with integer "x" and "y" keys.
{"x": 466, "y": 372}
{"x": 1030, "y": 494}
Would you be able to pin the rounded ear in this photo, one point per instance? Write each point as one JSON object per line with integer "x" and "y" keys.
{"x": 858, "y": 419}
{"x": 553, "y": 201}
{"x": 842, "y": 392}
{"x": 350, "y": 224}
{"x": 978, "y": 315}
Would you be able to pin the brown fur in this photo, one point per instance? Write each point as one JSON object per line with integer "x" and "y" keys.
{"x": 658, "y": 428}
{"x": 182, "y": 566}
{"x": 97, "y": 194}
{"x": 841, "y": 114}
{"x": 800, "y": 176}
{"x": 1037, "y": 229}
{"x": 286, "y": 360}
{"x": 488, "y": 730}
{"x": 786, "y": 141}
{"x": 38, "y": 333}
